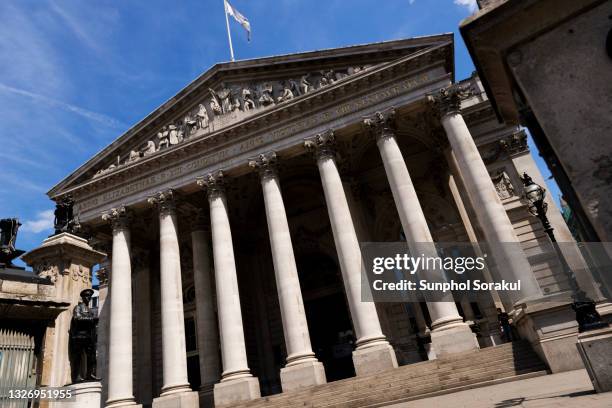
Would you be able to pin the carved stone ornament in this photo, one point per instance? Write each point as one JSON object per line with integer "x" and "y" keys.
{"x": 228, "y": 103}
{"x": 214, "y": 183}
{"x": 79, "y": 273}
{"x": 47, "y": 270}
{"x": 164, "y": 200}
{"x": 265, "y": 163}
{"x": 516, "y": 143}
{"x": 448, "y": 100}
{"x": 323, "y": 144}
{"x": 118, "y": 217}
{"x": 381, "y": 124}
{"x": 503, "y": 185}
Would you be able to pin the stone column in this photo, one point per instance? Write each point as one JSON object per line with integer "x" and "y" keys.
{"x": 175, "y": 390}
{"x": 237, "y": 383}
{"x": 302, "y": 369}
{"x": 208, "y": 338}
{"x": 498, "y": 230}
{"x": 373, "y": 353}
{"x": 120, "y": 369}
{"x": 449, "y": 333}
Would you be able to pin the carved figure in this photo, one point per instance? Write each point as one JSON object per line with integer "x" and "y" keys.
{"x": 162, "y": 136}
{"x": 286, "y": 95}
{"x": 327, "y": 78}
{"x": 189, "y": 124}
{"x": 174, "y": 136}
{"x": 134, "y": 156}
{"x": 265, "y": 95}
{"x": 503, "y": 185}
{"x": 215, "y": 104}
{"x": 304, "y": 85}
{"x": 223, "y": 99}
{"x": 83, "y": 339}
{"x": 149, "y": 148}
{"x": 201, "y": 117}
{"x": 247, "y": 100}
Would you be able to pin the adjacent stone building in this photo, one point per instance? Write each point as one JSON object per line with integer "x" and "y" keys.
{"x": 232, "y": 217}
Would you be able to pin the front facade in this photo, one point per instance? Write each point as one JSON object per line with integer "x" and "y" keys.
{"x": 232, "y": 217}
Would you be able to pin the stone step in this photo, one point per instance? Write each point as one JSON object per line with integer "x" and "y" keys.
{"x": 411, "y": 381}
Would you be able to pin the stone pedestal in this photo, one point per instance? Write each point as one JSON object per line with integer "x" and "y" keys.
{"x": 302, "y": 375}
{"x": 236, "y": 390}
{"x": 552, "y": 330}
{"x": 189, "y": 399}
{"x": 67, "y": 260}
{"x": 87, "y": 395}
{"x": 451, "y": 340}
{"x": 374, "y": 359}
{"x": 595, "y": 349}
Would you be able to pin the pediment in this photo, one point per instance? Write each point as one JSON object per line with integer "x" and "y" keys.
{"x": 229, "y": 93}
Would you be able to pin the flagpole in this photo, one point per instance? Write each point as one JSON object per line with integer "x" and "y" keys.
{"x": 229, "y": 36}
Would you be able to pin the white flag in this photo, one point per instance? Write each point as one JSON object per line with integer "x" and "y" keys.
{"x": 242, "y": 20}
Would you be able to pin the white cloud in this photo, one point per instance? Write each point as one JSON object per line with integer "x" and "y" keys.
{"x": 44, "y": 221}
{"x": 87, "y": 114}
{"x": 471, "y": 5}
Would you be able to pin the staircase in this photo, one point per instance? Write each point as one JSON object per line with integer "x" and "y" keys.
{"x": 507, "y": 362}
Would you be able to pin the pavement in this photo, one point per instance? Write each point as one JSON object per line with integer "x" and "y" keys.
{"x": 569, "y": 389}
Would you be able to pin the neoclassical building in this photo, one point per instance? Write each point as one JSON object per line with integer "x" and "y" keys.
{"x": 232, "y": 218}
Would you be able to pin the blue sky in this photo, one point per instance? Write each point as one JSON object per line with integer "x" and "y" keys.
{"x": 76, "y": 74}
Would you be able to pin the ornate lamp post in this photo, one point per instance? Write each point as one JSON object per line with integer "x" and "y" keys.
{"x": 586, "y": 314}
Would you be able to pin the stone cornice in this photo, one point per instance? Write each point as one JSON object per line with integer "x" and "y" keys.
{"x": 261, "y": 121}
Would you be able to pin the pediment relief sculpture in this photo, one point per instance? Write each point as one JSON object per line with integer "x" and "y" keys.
{"x": 228, "y": 104}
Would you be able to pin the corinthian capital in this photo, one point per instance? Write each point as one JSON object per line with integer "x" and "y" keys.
{"x": 322, "y": 144}
{"x": 119, "y": 217}
{"x": 265, "y": 163}
{"x": 448, "y": 100}
{"x": 381, "y": 124}
{"x": 214, "y": 183}
{"x": 165, "y": 201}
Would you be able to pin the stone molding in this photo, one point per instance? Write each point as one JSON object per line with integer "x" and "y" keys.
{"x": 119, "y": 218}
{"x": 266, "y": 163}
{"x": 323, "y": 145}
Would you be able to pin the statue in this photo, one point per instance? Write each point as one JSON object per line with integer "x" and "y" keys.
{"x": 162, "y": 135}
{"x": 247, "y": 100}
{"x": 8, "y": 237}
{"x": 304, "y": 85}
{"x": 201, "y": 117}
{"x": 265, "y": 95}
{"x": 148, "y": 149}
{"x": 189, "y": 124}
{"x": 83, "y": 340}
{"x": 65, "y": 221}
{"x": 215, "y": 104}
{"x": 174, "y": 135}
{"x": 286, "y": 95}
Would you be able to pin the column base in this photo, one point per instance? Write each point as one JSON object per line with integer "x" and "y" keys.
{"x": 86, "y": 395}
{"x": 456, "y": 339}
{"x": 302, "y": 375}
{"x": 374, "y": 359}
{"x": 234, "y": 391}
{"x": 187, "y": 399}
{"x": 122, "y": 403}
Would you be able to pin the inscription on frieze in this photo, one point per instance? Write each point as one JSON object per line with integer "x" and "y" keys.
{"x": 226, "y": 153}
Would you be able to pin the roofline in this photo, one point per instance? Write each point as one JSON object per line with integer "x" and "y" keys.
{"x": 250, "y": 63}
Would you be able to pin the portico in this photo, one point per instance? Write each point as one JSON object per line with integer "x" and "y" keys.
{"x": 253, "y": 216}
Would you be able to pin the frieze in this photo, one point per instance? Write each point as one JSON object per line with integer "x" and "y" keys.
{"x": 206, "y": 161}
{"x": 228, "y": 104}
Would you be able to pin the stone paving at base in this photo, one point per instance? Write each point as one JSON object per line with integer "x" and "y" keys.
{"x": 569, "y": 389}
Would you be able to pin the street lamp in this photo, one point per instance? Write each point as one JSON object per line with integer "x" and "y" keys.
{"x": 586, "y": 314}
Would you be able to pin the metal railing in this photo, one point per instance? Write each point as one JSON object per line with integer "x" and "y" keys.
{"x": 17, "y": 368}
